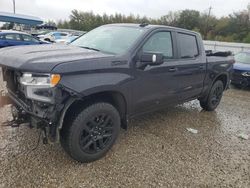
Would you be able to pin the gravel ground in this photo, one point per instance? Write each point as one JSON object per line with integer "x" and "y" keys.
{"x": 155, "y": 151}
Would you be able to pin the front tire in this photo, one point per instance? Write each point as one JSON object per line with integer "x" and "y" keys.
{"x": 214, "y": 97}
{"x": 92, "y": 132}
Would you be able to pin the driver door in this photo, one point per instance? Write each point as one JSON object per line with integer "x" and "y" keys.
{"x": 157, "y": 85}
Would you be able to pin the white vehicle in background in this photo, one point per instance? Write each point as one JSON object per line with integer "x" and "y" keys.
{"x": 70, "y": 38}
{"x": 53, "y": 36}
{"x": 66, "y": 40}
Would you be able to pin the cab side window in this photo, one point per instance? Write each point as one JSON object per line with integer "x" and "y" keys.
{"x": 188, "y": 45}
{"x": 160, "y": 42}
{"x": 56, "y": 34}
{"x": 13, "y": 36}
{"x": 28, "y": 38}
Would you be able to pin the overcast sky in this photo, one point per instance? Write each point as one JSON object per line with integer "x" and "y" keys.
{"x": 60, "y": 9}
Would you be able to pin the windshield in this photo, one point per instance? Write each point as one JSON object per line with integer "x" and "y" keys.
{"x": 43, "y": 32}
{"x": 109, "y": 39}
{"x": 243, "y": 57}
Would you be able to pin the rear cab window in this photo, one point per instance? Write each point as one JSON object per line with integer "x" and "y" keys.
{"x": 188, "y": 45}
{"x": 59, "y": 34}
{"x": 63, "y": 34}
{"x": 56, "y": 34}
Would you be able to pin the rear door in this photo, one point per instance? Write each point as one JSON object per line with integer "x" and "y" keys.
{"x": 178, "y": 79}
{"x": 191, "y": 66}
{"x": 3, "y": 42}
{"x": 13, "y": 39}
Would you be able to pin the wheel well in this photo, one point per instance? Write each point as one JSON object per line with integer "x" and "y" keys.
{"x": 223, "y": 78}
{"x": 112, "y": 97}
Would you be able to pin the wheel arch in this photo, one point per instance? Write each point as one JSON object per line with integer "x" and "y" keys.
{"x": 224, "y": 78}
{"x": 116, "y": 98}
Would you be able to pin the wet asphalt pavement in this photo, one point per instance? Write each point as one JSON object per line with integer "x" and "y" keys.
{"x": 155, "y": 151}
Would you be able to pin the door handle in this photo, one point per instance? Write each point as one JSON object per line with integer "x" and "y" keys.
{"x": 201, "y": 67}
{"x": 172, "y": 69}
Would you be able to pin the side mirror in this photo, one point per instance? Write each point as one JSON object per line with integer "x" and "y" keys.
{"x": 151, "y": 59}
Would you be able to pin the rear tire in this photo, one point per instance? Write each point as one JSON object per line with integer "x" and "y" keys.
{"x": 214, "y": 97}
{"x": 92, "y": 132}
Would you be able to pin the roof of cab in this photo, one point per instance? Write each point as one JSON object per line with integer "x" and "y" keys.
{"x": 149, "y": 26}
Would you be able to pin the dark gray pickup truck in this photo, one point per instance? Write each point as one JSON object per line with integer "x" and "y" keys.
{"x": 83, "y": 93}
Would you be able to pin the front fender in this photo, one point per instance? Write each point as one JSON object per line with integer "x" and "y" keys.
{"x": 87, "y": 84}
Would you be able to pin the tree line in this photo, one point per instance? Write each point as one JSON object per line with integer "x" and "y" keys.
{"x": 232, "y": 28}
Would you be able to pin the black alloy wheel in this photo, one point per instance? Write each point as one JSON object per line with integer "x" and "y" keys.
{"x": 214, "y": 97}
{"x": 92, "y": 132}
{"x": 97, "y": 133}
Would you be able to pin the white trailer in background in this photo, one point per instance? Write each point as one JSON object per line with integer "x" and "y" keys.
{"x": 226, "y": 46}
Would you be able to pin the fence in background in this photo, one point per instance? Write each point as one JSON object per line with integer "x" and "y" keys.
{"x": 226, "y": 46}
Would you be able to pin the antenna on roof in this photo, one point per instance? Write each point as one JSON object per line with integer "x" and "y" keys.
{"x": 143, "y": 24}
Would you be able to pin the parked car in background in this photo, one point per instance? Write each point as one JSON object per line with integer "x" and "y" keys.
{"x": 66, "y": 40}
{"x": 53, "y": 36}
{"x": 40, "y": 33}
{"x": 70, "y": 38}
{"x": 16, "y": 38}
{"x": 241, "y": 70}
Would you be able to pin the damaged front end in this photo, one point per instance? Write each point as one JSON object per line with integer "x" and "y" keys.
{"x": 37, "y": 99}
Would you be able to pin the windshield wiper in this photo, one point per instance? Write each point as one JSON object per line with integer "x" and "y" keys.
{"x": 89, "y": 48}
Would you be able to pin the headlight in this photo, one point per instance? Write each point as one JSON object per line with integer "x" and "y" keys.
{"x": 39, "y": 87}
{"x": 46, "y": 80}
{"x": 246, "y": 74}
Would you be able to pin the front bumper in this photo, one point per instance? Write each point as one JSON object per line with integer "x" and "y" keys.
{"x": 239, "y": 79}
{"x": 24, "y": 108}
{"x": 46, "y": 115}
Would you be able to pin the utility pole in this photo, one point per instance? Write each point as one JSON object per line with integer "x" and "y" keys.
{"x": 209, "y": 12}
{"x": 14, "y": 6}
{"x": 248, "y": 9}
{"x": 206, "y": 30}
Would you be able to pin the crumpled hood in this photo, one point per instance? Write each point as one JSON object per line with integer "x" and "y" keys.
{"x": 43, "y": 58}
{"x": 242, "y": 66}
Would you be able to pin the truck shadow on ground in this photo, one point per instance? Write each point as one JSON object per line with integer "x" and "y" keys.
{"x": 170, "y": 122}
{"x": 157, "y": 144}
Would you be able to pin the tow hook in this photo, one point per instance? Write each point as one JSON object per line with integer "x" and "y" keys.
{"x": 15, "y": 123}
{"x": 17, "y": 119}
{"x": 12, "y": 124}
